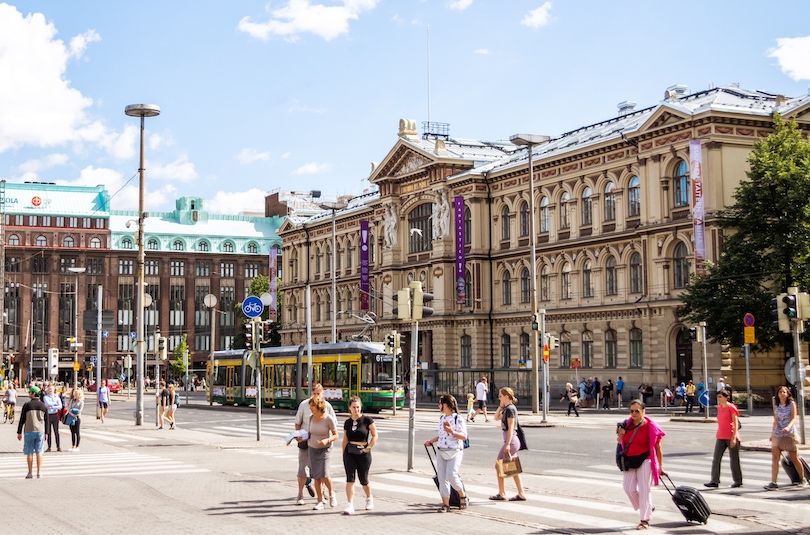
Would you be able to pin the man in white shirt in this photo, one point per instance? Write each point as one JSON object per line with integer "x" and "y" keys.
{"x": 721, "y": 384}
{"x": 302, "y": 422}
{"x": 481, "y": 392}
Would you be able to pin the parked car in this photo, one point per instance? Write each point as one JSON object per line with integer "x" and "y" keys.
{"x": 113, "y": 384}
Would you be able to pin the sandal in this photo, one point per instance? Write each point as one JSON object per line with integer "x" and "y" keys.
{"x": 444, "y": 509}
{"x": 497, "y": 498}
{"x": 517, "y": 498}
{"x": 462, "y": 502}
{"x": 643, "y": 525}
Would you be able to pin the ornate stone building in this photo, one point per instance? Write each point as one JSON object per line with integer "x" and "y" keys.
{"x": 615, "y": 240}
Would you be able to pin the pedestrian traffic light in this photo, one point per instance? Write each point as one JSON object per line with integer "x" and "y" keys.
{"x": 535, "y": 324}
{"x": 388, "y": 344}
{"x": 419, "y": 309}
{"x": 248, "y": 327}
{"x": 780, "y": 320}
{"x": 553, "y": 342}
{"x": 791, "y": 309}
{"x": 403, "y": 308}
{"x": 162, "y": 350}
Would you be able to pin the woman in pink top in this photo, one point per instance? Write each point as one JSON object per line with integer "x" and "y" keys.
{"x": 728, "y": 424}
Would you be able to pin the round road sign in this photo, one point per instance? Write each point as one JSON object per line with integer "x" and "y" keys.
{"x": 748, "y": 320}
{"x": 252, "y": 307}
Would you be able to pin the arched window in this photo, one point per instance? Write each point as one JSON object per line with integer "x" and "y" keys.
{"x": 525, "y": 351}
{"x": 636, "y": 280}
{"x": 565, "y": 350}
{"x": 328, "y": 265}
{"x": 152, "y": 244}
{"x": 525, "y": 222}
{"x": 610, "y": 202}
{"x": 634, "y": 197}
{"x": 202, "y": 246}
{"x": 318, "y": 308}
{"x": 565, "y": 282}
{"x": 420, "y": 218}
{"x": 544, "y": 215}
{"x": 636, "y": 346}
{"x": 587, "y": 349}
{"x": 227, "y": 247}
{"x": 41, "y": 241}
{"x": 681, "y": 265}
{"x": 506, "y": 284}
{"x": 468, "y": 296}
{"x": 681, "y": 179}
{"x": 587, "y": 207}
{"x": 525, "y": 286}
{"x": 95, "y": 243}
{"x": 587, "y": 282}
{"x": 13, "y": 240}
{"x": 506, "y": 351}
{"x": 544, "y": 284}
{"x": 252, "y": 248}
{"x": 505, "y": 234}
{"x": 466, "y": 351}
{"x": 611, "y": 282}
{"x": 349, "y": 302}
{"x": 126, "y": 243}
{"x": 467, "y": 226}
{"x": 565, "y": 220}
{"x": 610, "y": 349}
{"x": 67, "y": 242}
{"x": 177, "y": 245}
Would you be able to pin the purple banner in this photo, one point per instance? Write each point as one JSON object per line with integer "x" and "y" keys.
{"x": 364, "y": 265}
{"x": 273, "y": 308}
{"x": 696, "y": 172}
{"x": 461, "y": 285}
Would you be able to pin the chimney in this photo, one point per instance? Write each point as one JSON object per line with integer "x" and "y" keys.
{"x": 675, "y": 92}
{"x": 626, "y": 107}
{"x": 780, "y": 100}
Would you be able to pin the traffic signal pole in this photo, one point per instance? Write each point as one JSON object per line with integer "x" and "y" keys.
{"x": 412, "y": 394}
{"x": 705, "y": 370}
{"x": 798, "y": 364}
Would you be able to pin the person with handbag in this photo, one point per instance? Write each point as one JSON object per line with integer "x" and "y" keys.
{"x": 783, "y": 437}
{"x": 322, "y": 433}
{"x": 359, "y": 436}
{"x": 302, "y": 417}
{"x": 572, "y": 397}
{"x": 728, "y": 425}
{"x": 507, "y": 414}
{"x": 74, "y": 414}
{"x": 450, "y": 440}
{"x": 641, "y": 458}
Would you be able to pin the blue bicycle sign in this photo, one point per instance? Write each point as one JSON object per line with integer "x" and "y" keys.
{"x": 252, "y": 307}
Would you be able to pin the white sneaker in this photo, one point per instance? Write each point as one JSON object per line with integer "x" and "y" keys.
{"x": 333, "y": 501}
{"x": 369, "y": 503}
{"x": 803, "y": 483}
{"x": 299, "y": 501}
{"x": 318, "y": 506}
{"x": 349, "y": 510}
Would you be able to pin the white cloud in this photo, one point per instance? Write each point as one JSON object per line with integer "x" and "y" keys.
{"x": 78, "y": 45}
{"x": 481, "y": 51}
{"x": 39, "y": 105}
{"x": 537, "y": 18}
{"x": 297, "y": 107}
{"x": 793, "y": 54}
{"x": 301, "y": 16}
{"x": 312, "y": 168}
{"x": 461, "y": 5}
{"x": 157, "y": 141}
{"x": 180, "y": 169}
{"x": 234, "y": 202}
{"x": 51, "y": 160}
{"x": 251, "y": 155}
{"x": 286, "y": 155}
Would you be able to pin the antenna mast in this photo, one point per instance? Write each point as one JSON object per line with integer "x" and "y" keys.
{"x": 428, "y": 74}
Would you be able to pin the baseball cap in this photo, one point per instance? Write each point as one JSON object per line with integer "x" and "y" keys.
{"x": 34, "y": 390}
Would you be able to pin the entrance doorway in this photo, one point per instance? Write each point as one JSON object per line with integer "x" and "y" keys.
{"x": 683, "y": 356}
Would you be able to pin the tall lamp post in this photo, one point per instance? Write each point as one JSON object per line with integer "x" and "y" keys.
{"x": 76, "y": 271}
{"x": 142, "y": 111}
{"x": 530, "y": 140}
{"x": 334, "y": 206}
{"x": 210, "y": 300}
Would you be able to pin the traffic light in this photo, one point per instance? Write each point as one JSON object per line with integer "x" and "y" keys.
{"x": 389, "y": 343}
{"x": 695, "y": 334}
{"x": 804, "y": 306}
{"x": 265, "y": 329}
{"x": 162, "y": 350}
{"x": 397, "y": 343}
{"x": 419, "y": 309}
{"x": 781, "y": 321}
{"x": 535, "y": 324}
{"x": 553, "y": 342}
{"x": 248, "y": 327}
{"x": 791, "y": 309}
{"x": 403, "y": 308}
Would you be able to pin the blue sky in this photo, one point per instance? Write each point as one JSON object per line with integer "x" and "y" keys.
{"x": 305, "y": 94}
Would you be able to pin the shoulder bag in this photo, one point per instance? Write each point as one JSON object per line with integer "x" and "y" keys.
{"x": 629, "y": 462}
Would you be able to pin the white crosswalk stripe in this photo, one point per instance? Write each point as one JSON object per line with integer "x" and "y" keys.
{"x": 88, "y": 465}
{"x": 114, "y": 437}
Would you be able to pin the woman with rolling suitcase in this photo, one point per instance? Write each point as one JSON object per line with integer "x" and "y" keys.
{"x": 640, "y": 438}
{"x": 783, "y": 437}
{"x": 450, "y": 442}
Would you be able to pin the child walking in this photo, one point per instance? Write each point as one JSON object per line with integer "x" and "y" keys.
{"x": 470, "y": 407}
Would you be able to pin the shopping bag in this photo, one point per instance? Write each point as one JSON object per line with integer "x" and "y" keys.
{"x": 509, "y": 468}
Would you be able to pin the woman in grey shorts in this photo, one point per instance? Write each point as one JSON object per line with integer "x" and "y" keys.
{"x": 783, "y": 437}
{"x": 322, "y": 432}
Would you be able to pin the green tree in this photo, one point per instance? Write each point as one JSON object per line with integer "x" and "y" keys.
{"x": 766, "y": 242}
{"x": 178, "y": 368}
{"x": 258, "y": 286}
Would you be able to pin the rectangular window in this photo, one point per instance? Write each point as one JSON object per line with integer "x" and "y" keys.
{"x": 587, "y": 354}
{"x": 565, "y": 354}
{"x": 65, "y": 263}
{"x": 177, "y": 268}
{"x": 466, "y": 351}
{"x": 46, "y": 221}
{"x": 73, "y": 222}
{"x": 151, "y": 267}
{"x": 202, "y": 269}
{"x": 95, "y": 266}
{"x": 101, "y": 223}
{"x": 251, "y": 271}
{"x": 18, "y": 220}
{"x": 125, "y": 267}
{"x": 32, "y": 220}
{"x": 226, "y": 269}
{"x": 86, "y": 222}
{"x": 60, "y": 221}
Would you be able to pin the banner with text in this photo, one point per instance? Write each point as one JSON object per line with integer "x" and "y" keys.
{"x": 461, "y": 283}
{"x": 696, "y": 172}
{"x": 364, "y": 265}
{"x": 273, "y": 309}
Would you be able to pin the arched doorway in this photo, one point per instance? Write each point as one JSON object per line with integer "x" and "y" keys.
{"x": 683, "y": 356}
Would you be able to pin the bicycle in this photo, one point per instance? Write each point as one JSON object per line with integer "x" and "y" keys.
{"x": 8, "y": 414}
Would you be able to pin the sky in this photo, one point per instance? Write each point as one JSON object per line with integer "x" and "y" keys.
{"x": 304, "y": 95}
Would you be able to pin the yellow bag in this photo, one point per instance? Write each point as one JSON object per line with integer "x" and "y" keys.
{"x": 509, "y": 468}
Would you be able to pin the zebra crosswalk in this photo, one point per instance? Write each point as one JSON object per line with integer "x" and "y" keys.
{"x": 89, "y": 465}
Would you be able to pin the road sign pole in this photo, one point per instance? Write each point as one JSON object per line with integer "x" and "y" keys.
{"x": 702, "y": 326}
{"x": 257, "y": 366}
{"x": 748, "y": 379}
{"x": 797, "y": 363}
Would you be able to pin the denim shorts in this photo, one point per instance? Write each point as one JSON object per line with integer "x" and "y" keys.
{"x": 33, "y": 443}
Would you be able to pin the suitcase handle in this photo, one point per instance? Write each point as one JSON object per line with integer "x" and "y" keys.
{"x": 431, "y": 457}
{"x": 671, "y": 484}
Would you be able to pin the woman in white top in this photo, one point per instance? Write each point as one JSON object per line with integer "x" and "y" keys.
{"x": 451, "y": 437}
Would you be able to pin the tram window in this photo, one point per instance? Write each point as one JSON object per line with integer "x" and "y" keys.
{"x": 220, "y": 373}
{"x": 284, "y": 375}
{"x": 342, "y": 374}
{"x": 329, "y": 375}
{"x": 316, "y": 374}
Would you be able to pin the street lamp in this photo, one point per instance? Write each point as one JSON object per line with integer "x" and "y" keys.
{"x": 530, "y": 141}
{"x": 76, "y": 271}
{"x": 334, "y": 206}
{"x": 210, "y": 300}
{"x": 142, "y": 111}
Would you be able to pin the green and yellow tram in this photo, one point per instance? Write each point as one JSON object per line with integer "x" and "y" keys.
{"x": 347, "y": 369}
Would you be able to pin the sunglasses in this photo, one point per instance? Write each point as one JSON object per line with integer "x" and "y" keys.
{"x": 354, "y": 425}
{"x": 635, "y": 411}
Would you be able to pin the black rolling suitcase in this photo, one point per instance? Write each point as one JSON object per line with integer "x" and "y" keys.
{"x": 790, "y": 470}
{"x": 455, "y": 499}
{"x": 689, "y": 500}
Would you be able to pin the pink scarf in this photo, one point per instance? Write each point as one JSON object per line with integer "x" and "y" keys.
{"x": 656, "y": 434}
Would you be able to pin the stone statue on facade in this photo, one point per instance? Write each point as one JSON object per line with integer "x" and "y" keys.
{"x": 390, "y": 225}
